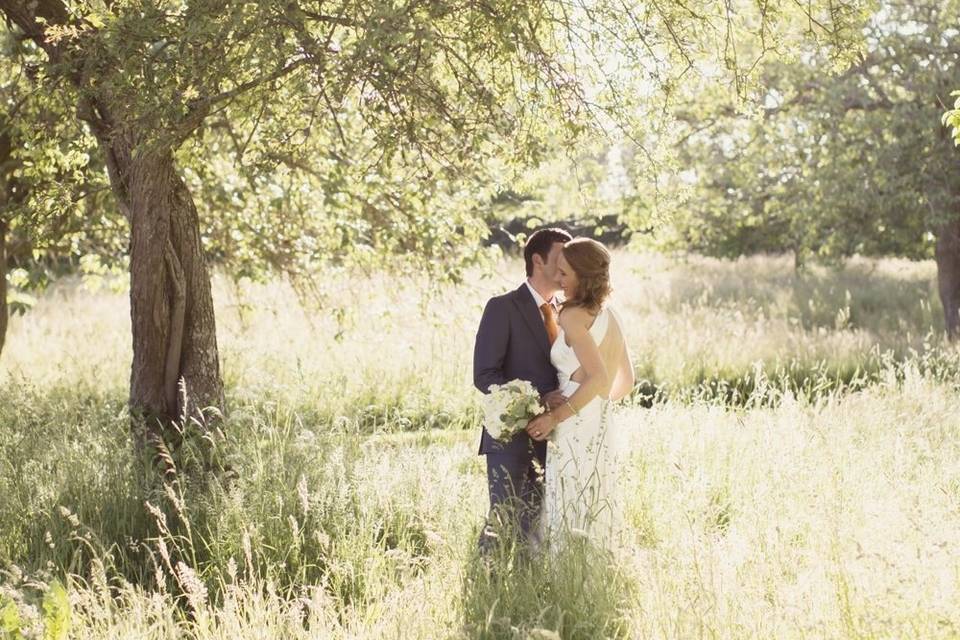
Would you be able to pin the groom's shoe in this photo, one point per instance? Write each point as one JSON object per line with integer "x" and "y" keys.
{"x": 489, "y": 540}
{"x": 502, "y": 534}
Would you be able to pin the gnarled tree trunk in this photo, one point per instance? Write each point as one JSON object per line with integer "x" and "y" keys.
{"x": 4, "y": 313}
{"x": 5, "y": 150}
{"x": 171, "y": 306}
{"x": 175, "y": 374}
{"x": 948, "y": 274}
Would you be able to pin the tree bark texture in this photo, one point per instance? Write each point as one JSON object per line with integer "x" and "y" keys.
{"x": 948, "y": 274}
{"x": 171, "y": 305}
{"x": 5, "y": 151}
{"x": 4, "y": 312}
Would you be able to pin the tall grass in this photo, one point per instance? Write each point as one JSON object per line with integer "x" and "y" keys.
{"x": 767, "y": 495}
{"x": 384, "y": 354}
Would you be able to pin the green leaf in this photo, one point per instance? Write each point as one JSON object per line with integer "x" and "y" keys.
{"x": 96, "y": 20}
{"x": 9, "y": 619}
{"x": 56, "y": 612}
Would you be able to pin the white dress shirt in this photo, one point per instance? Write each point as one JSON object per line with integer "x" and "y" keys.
{"x": 538, "y": 299}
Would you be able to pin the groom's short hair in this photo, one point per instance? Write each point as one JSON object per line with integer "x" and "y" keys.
{"x": 540, "y": 242}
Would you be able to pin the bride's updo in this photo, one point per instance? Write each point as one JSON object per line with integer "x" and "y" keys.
{"x": 590, "y": 260}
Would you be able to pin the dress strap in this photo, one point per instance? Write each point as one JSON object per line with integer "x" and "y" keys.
{"x": 600, "y": 325}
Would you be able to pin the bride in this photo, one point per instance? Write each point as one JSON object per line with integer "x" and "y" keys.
{"x": 594, "y": 367}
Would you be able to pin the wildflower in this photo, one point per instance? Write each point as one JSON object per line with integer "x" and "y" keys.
{"x": 192, "y": 585}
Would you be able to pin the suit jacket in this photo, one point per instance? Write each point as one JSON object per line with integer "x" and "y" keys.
{"x": 512, "y": 344}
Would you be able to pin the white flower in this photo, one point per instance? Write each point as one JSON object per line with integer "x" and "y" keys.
{"x": 507, "y": 408}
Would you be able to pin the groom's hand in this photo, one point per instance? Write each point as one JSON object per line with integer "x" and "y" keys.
{"x": 554, "y": 399}
{"x": 540, "y": 427}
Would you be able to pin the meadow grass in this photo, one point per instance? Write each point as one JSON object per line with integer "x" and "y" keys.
{"x": 797, "y": 476}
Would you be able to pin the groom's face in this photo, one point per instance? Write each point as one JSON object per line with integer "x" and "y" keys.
{"x": 550, "y": 266}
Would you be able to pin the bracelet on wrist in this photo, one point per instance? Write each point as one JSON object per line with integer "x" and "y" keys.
{"x": 574, "y": 411}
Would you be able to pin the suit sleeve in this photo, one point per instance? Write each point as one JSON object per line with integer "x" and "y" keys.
{"x": 490, "y": 348}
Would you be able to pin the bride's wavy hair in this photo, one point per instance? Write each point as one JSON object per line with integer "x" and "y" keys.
{"x": 590, "y": 260}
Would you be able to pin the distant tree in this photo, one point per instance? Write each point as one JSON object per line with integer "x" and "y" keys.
{"x": 835, "y": 164}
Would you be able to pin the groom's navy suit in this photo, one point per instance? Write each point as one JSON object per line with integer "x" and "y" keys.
{"x": 512, "y": 344}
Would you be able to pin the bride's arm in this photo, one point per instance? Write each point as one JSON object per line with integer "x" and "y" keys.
{"x": 575, "y": 323}
{"x": 576, "y": 326}
{"x": 625, "y": 379}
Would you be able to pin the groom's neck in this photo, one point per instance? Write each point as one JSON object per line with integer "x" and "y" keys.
{"x": 546, "y": 289}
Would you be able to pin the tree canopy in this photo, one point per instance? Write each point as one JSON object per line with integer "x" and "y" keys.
{"x": 831, "y": 164}
{"x": 279, "y": 134}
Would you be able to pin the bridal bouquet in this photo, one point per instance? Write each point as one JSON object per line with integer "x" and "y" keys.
{"x": 509, "y": 407}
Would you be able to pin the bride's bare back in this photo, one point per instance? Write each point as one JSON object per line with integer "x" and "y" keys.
{"x": 616, "y": 361}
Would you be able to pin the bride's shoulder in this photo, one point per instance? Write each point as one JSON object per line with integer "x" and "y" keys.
{"x": 574, "y": 316}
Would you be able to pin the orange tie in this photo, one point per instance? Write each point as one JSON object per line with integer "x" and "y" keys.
{"x": 550, "y": 321}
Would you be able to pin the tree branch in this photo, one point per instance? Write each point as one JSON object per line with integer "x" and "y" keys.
{"x": 25, "y": 14}
{"x": 200, "y": 108}
{"x": 337, "y": 20}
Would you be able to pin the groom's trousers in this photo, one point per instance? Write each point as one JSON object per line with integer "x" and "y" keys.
{"x": 515, "y": 483}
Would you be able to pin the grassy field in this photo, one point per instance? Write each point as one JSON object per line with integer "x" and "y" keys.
{"x": 795, "y": 468}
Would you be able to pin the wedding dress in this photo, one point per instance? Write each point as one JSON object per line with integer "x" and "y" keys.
{"x": 581, "y": 471}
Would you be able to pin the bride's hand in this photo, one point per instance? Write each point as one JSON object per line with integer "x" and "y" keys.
{"x": 542, "y": 426}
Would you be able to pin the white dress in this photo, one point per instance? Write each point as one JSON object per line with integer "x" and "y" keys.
{"x": 580, "y": 476}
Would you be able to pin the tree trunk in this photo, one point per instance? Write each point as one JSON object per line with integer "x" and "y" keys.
{"x": 948, "y": 274}
{"x": 4, "y": 313}
{"x": 5, "y": 151}
{"x": 171, "y": 306}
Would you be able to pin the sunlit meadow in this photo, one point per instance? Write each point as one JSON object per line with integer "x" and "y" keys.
{"x": 795, "y": 467}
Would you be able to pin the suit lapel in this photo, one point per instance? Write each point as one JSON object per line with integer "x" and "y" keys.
{"x": 528, "y": 309}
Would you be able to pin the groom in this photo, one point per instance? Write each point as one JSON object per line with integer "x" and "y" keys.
{"x": 513, "y": 342}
